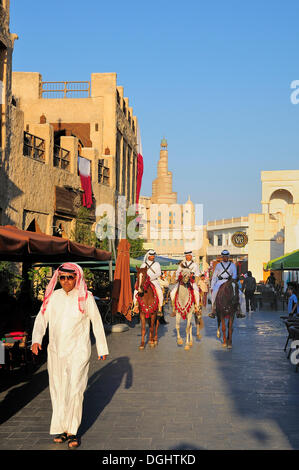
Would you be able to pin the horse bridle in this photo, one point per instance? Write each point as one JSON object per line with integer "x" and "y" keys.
{"x": 143, "y": 287}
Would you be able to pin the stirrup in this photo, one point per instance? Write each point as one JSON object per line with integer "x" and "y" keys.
{"x": 135, "y": 310}
{"x": 241, "y": 315}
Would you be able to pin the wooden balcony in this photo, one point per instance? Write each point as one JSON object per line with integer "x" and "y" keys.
{"x": 34, "y": 147}
{"x": 61, "y": 158}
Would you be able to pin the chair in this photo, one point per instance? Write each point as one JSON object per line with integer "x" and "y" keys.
{"x": 294, "y": 333}
{"x": 289, "y": 322}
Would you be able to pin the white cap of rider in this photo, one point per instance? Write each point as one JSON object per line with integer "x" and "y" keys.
{"x": 225, "y": 253}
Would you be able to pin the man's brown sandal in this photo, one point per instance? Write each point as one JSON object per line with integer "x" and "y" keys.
{"x": 71, "y": 438}
{"x": 62, "y": 438}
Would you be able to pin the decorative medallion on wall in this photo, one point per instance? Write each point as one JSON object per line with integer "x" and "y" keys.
{"x": 239, "y": 239}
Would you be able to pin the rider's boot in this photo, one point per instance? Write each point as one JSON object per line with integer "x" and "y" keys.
{"x": 136, "y": 309}
{"x": 213, "y": 312}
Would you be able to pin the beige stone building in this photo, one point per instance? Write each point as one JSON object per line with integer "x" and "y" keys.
{"x": 53, "y": 124}
{"x": 7, "y": 109}
{"x": 275, "y": 231}
{"x": 170, "y": 228}
{"x": 220, "y": 234}
{"x": 271, "y": 233}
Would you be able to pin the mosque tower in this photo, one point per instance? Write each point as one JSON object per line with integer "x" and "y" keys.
{"x": 162, "y": 186}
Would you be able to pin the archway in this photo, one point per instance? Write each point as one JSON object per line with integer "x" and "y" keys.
{"x": 279, "y": 200}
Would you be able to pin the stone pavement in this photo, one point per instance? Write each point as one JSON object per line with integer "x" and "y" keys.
{"x": 168, "y": 398}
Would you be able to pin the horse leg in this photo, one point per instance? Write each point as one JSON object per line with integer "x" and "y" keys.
{"x": 177, "y": 325}
{"x": 218, "y": 329}
{"x": 142, "y": 318}
{"x": 188, "y": 341}
{"x": 224, "y": 332}
{"x": 197, "y": 323}
{"x": 230, "y": 332}
{"x": 151, "y": 335}
{"x": 156, "y": 330}
{"x": 190, "y": 316}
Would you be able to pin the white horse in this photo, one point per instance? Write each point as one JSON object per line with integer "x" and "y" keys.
{"x": 184, "y": 307}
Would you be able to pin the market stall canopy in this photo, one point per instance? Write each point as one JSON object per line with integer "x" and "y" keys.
{"x": 26, "y": 246}
{"x": 91, "y": 265}
{"x": 287, "y": 262}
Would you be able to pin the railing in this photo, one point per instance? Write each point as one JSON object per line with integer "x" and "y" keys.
{"x": 61, "y": 158}
{"x": 233, "y": 220}
{"x": 65, "y": 90}
{"x": 103, "y": 173}
{"x": 34, "y": 147}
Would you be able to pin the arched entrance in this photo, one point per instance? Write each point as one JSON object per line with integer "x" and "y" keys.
{"x": 279, "y": 200}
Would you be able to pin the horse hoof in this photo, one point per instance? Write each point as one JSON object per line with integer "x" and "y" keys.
{"x": 224, "y": 345}
{"x": 187, "y": 348}
{"x": 152, "y": 345}
{"x": 229, "y": 346}
{"x": 156, "y": 343}
{"x": 180, "y": 342}
{"x": 198, "y": 336}
{"x": 141, "y": 348}
{"x": 190, "y": 345}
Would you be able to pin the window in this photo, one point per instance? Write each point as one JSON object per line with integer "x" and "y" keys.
{"x": 34, "y": 147}
{"x": 61, "y": 158}
{"x": 103, "y": 172}
{"x": 219, "y": 240}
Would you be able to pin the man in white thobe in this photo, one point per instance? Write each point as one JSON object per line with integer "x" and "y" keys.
{"x": 187, "y": 263}
{"x": 68, "y": 312}
{"x": 154, "y": 273}
{"x": 224, "y": 271}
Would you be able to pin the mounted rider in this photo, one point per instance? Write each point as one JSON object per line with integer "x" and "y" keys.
{"x": 224, "y": 271}
{"x": 154, "y": 273}
{"x": 189, "y": 264}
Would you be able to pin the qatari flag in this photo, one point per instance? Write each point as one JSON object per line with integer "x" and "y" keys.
{"x": 139, "y": 166}
{"x": 85, "y": 177}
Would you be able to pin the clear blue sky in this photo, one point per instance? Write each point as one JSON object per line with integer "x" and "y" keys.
{"x": 213, "y": 77}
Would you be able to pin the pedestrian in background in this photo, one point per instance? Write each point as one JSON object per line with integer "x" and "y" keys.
{"x": 293, "y": 302}
{"x": 204, "y": 288}
{"x": 248, "y": 287}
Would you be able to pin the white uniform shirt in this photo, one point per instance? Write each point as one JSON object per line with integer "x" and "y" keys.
{"x": 191, "y": 265}
{"x": 153, "y": 269}
{"x": 231, "y": 270}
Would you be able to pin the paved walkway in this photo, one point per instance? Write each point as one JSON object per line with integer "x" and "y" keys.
{"x": 168, "y": 398}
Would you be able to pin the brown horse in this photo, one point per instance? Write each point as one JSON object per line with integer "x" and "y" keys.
{"x": 227, "y": 302}
{"x": 148, "y": 307}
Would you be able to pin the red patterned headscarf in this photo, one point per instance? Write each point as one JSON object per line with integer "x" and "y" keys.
{"x": 80, "y": 285}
